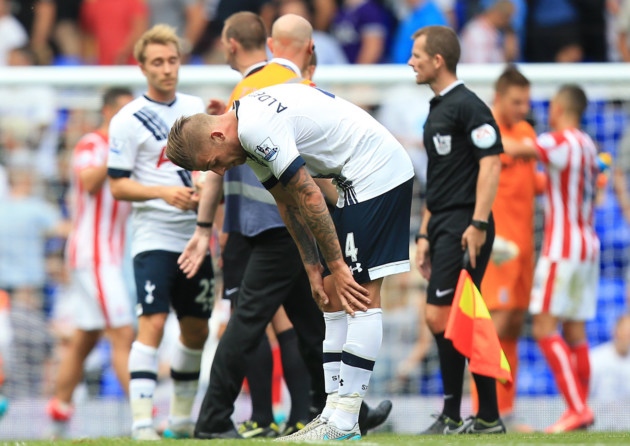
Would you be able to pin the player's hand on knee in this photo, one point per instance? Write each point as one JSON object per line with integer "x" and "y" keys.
{"x": 352, "y": 296}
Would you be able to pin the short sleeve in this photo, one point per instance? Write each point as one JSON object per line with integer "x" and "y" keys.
{"x": 123, "y": 146}
{"x": 269, "y": 145}
{"x": 86, "y": 154}
{"x": 481, "y": 128}
{"x": 552, "y": 150}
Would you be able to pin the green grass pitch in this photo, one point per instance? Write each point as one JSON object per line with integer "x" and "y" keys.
{"x": 573, "y": 439}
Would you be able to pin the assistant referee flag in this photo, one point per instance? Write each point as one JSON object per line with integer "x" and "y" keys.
{"x": 473, "y": 333}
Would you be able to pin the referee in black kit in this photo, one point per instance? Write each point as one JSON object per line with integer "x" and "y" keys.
{"x": 463, "y": 146}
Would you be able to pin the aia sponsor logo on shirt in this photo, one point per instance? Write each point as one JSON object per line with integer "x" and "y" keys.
{"x": 163, "y": 159}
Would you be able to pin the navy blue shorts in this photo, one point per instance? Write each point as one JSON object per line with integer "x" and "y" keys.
{"x": 374, "y": 235}
{"x": 160, "y": 284}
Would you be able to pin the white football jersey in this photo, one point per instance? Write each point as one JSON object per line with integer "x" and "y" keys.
{"x": 137, "y": 143}
{"x": 289, "y": 125}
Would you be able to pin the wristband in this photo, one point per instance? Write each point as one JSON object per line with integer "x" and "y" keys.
{"x": 419, "y": 236}
{"x": 480, "y": 224}
{"x": 204, "y": 224}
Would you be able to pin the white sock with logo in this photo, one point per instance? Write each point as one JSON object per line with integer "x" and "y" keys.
{"x": 336, "y": 330}
{"x": 365, "y": 335}
{"x": 185, "y": 367}
{"x": 143, "y": 368}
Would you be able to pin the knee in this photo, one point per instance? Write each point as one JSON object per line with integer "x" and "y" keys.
{"x": 121, "y": 337}
{"x": 194, "y": 335}
{"x": 512, "y": 326}
{"x": 436, "y": 322}
{"x": 541, "y": 330}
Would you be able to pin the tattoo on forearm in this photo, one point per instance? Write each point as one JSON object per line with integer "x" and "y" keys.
{"x": 312, "y": 209}
{"x": 302, "y": 235}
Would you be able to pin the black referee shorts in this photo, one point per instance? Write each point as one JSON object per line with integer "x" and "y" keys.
{"x": 445, "y": 247}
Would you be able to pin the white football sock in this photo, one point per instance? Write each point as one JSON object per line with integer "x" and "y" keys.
{"x": 143, "y": 368}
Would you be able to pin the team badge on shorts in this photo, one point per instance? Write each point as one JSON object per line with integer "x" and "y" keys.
{"x": 267, "y": 150}
{"x": 442, "y": 144}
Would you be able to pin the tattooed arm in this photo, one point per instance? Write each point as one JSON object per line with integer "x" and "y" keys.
{"x": 303, "y": 209}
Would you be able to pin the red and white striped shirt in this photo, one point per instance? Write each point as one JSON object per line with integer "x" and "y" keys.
{"x": 570, "y": 157}
{"x": 98, "y": 220}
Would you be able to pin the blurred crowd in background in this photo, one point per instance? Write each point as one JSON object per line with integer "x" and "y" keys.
{"x": 69, "y": 32}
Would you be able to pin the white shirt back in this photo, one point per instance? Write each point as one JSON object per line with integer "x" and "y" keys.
{"x": 282, "y": 124}
{"x": 138, "y": 136}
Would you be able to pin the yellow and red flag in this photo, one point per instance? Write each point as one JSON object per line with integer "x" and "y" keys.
{"x": 473, "y": 333}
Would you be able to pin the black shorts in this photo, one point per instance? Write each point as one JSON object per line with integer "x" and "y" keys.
{"x": 160, "y": 284}
{"x": 374, "y": 235}
{"x": 445, "y": 248}
{"x": 235, "y": 256}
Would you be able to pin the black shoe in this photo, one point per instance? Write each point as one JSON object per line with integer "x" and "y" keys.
{"x": 228, "y": 434}
{"x": 251, "y": 429}
{"x": 444, "y": 425}
{"x": 475, "y": 425}
{"x": 374, "y": 417}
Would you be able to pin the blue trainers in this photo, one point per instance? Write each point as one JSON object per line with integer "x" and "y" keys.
{"x": 179, "y": 431}
{"x": 4, "y": 405}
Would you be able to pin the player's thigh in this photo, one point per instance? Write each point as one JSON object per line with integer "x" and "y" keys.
{"x": 155, "y": 274}
{"x": 194, "y": 297}
{"x": 117, "y": 302}
{"x": 87, "y": 314}
{"x": 554, "y": 288}
{"x": 101, "y": 298}
{"x": 508, "y": 286}
{"x": 374, "y": 235}
{"x": 585, "y": 287}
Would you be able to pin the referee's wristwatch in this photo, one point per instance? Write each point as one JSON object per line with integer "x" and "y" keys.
{"x": 480, "y": 224}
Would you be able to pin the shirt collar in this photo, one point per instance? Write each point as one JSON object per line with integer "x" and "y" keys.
{"x": 287, "y": 63}
{"x": 254, "y": 68}
{"x": 450, "y": 87}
